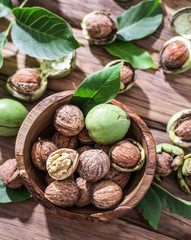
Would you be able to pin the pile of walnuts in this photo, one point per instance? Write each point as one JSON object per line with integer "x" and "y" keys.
{"x": 78, "y": 171}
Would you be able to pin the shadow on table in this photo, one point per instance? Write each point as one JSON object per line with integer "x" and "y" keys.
{"x": 60, "y": 228}
{"x": 21, "y": 210}
{"x": 180, "y": 83}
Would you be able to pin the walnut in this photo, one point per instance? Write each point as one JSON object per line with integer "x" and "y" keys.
{"x": 99, "y": 26}
{"x": 106, "y": 194}
{"x": 164, "y": 164}
{"x": 183, "y": 130}
{"x": 125, "y": 154}
{"x": 85, "y": 188}
{"x": 83, "y": 149}
{"x": 10, "y": 174}
{"x": 126, "y": 74}
{"x": 62, "y": 163}
{"x": 62, "y": 193}
{"x": 40, "y": 153}
{"x": 84, "y": 137}
{"x": 121, "y": 178}
{"x": 102, "y": 147}
{"x": 93, "y": 165}
{"x": 175, "y": 55}
{"x": 69, "y": 120}
{"x": 26, "y": 81}
{"x": 62, "y": 141}
{"x": 49, "y": 179}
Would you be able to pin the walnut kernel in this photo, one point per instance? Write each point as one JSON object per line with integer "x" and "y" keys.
{"x": 62, "y": 163}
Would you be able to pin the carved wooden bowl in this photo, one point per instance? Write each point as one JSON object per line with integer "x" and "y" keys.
{"x": 39, "y": 122}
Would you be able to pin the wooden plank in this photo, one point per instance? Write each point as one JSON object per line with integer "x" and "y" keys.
{"x": 30, "y": 221}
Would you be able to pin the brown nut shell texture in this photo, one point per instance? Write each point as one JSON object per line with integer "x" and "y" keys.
{"x": 125, "y": 154}
{"x": 85, "y": 188}
{"x": 99, "y": 26}
{"x": 10, "y": 174}
{"x": 183, "y": 130}
{"x": 62, "y": 193}
{"x": 40, "y": 153}
{"x": 106, "y": 194}
{"x": 26, "y": 80}
{"x": 164, "y": 164}
{"x": 83, "y": 149}
{"x": 69, "y": 120}
{"x": 175, "y": 55}
{"x": 93, "y": 165}
{"x": 102, "y": 147}
{"x": 84, "y": 137}
{"x": 62, "y": 163}
{"x": 121, "y": 178}
{"x": 62, "y": 141}
{"x": 126, "y": 74}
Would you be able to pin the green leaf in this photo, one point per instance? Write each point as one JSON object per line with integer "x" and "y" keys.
{"x": 3, "y": 40}
{"x": 140, "y": 20}
{"x": 8, "y": 195}
{"x": 100, "y": 87}
{"x": 42, "y": 34}
{"x": 128, "y": 51}
{"x": 176, "y": 205}
{"x": 5, "y": 7}
{"x": 151, "y": 207}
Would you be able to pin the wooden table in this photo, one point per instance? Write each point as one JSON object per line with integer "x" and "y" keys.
{"x": 154, "y": 97}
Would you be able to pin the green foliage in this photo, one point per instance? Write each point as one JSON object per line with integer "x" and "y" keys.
{"x": 5, "y": 7}
{"x": 3, "y": 40}
{"x": 40, "y": 33}
{"x": 157, "y": 198}
{"x": 140, "y": 20}
{"x": 100, "y": 87}
{"x": 8, "y": 195}
{"x": 128, "y": 51}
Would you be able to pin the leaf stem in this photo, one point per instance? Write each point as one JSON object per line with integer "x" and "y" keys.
{"x": 23, "y": 3}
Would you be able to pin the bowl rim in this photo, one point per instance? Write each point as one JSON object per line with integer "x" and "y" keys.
{"x": 37, "y": 193}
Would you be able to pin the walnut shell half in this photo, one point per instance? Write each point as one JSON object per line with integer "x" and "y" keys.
{"x": 63, "y": 193}
{"x": 106, "y": 194}
{"x": 85, "y": 188}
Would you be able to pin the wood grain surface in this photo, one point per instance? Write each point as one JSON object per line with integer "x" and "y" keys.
{"x": 155, "y": 97}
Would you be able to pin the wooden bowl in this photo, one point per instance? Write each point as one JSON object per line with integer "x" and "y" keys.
{"x": 39, "y": 122}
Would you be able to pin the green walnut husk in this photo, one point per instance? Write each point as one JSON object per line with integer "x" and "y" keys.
{"x": 24, "y": 95}
{"x": 178, "y": 154}
{"x": 125, "y": 85}
{"x": 173, "y": 122}
{"x": 186, "y": 167}
{"x": 99, "y": 41}
{"x": 107, "y": 123}
{"x": 181, "y": 180}
{"x": 60, "y": 67}
{"x": 139, "y": 164}
{"x": 180, "y": 22}
{"x": 12, "y": 114}
{"x": 186, "y": 65}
